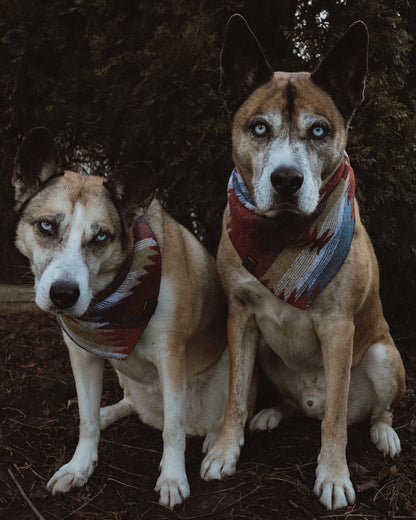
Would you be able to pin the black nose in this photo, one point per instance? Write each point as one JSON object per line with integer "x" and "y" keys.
{"x": 64, "y": 294}
{"x": 286, "y": 181}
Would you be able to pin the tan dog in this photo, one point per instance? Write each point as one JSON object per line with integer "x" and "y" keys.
{"x": 291, "y": 199}
{"x": 79, "y": 233}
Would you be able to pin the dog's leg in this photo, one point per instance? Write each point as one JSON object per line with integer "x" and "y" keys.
{"x": 333, "y": 485}
{"x": 384, "y": 368}
{"x": 172, "y": 483}
{"x": 88, "y": 374}
{"x": 114, "y": 412}
{"x": 270, "y": 418}
{"x": 280, "y": 375}
{"x": 243, "y": 336}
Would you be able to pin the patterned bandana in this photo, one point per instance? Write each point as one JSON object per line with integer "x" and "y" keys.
{"x": 118, "y": 315}
{"x": 294, "y": 256}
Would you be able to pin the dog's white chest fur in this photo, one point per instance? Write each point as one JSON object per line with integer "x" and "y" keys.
{"x": 140, "y": 379}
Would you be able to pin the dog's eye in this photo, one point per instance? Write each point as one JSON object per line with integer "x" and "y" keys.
{"x": 46, "y": 227}
{"x": 260, "y": 129}
{"x": 318, "y": 131}
{"x": 100, "y": 237}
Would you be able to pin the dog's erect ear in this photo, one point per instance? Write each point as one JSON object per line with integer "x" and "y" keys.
{"x": 133, "y": 189}
{"x": 36, "y": 162}
{"x": 243, "y": 65}
{"x": 342, "y": 72}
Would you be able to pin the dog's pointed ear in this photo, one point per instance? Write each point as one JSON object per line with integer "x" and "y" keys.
{"x": 343, "y": 70}
{"x": 36, "y": 162}
{"x": 133, "y": 189}
{"x": 243, "y": 65}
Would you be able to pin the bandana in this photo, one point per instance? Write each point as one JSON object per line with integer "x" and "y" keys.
{"x": 118, "y": 315}
{"x": 294, "y": 256}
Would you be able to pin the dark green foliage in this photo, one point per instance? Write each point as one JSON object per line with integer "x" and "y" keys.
{"x": 130, "y": 80}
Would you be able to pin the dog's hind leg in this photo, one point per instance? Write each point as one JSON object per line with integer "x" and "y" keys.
{"x": 110, "y": 414}
{"x": 88, "y": 373}
{"x": 385, "y": 370}
{"x": 270, "y": 418}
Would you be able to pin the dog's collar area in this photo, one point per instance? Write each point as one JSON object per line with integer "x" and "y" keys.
{"x": 119, "y": 314}
{"x": 294, "y": 256}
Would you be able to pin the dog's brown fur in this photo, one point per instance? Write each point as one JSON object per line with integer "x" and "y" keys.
{"x": 176, "y": 378}
{"x": 346, "y": 320}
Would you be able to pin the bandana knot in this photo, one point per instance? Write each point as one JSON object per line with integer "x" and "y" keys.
{"x": 294, "y": 256}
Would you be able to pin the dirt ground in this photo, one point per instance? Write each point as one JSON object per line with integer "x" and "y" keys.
{"x": 39, "y": 429}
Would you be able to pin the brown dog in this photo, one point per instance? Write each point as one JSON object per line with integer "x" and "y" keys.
{"x": 126, "y": 282}
{"x": 296, "y": 262}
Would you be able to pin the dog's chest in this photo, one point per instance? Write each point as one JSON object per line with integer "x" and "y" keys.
{"x": 137, "y": 368}
{"x": 286, "y": 329}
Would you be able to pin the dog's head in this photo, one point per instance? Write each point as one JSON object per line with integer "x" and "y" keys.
{"x": 76, "y": 230}
{"x": 290, "y": 129}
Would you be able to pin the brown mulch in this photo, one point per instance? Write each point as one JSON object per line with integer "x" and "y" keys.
{"x": 39, "y": 429}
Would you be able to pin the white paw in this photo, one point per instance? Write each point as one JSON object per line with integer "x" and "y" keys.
{"x": 71, "y": 475}
{"x": 219, "y": 463}
{"x": 172, "y": 491}
{"x": 385, "y": 439}
{"x": 266, "y": 419}
{"x": 333, "y": 488}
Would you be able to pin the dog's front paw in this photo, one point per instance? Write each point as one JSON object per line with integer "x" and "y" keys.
{"x": 266, "y": 419}
{"x": 385, "y": 439}
{"x": 172, "y": 491}
{"x": 334, "y": 488}
{"x": 70, "y": 475}
{"x": 219, "y": 463}
{"x": 209, "y": 441}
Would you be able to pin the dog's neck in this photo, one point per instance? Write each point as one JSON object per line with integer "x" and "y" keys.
{"x": 294, "y": 256}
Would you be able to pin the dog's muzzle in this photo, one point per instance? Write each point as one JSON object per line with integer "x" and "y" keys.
{"x": 64, "y": 294}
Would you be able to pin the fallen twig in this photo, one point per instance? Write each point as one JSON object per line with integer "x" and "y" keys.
{"x": 28, "y": 501}
{"x": 86, "y": 503}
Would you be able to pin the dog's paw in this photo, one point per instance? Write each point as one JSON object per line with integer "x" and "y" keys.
{"x": 266, "y": 419}
{"x": 209, "y": 441}
{"x": 70, "y": 475}
{"x": 385, "y": 439}
{"x": 172, "y": 491}
{"x": 219, "y": 463}
{"x": 334, "y": 489}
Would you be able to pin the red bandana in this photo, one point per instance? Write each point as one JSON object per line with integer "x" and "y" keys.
{"x": 295, "y": 257}
{"x": 118, "y": 315}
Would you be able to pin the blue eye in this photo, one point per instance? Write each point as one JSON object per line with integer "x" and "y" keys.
{"x": 100, "y": 237}
{"x": 318, "y": 131}
{"x": 46, "y": 227}
{"x": 260, "y": 129}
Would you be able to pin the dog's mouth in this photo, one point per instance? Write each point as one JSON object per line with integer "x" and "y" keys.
{"x": 284, "y": 206}
{"x": 70, "y": 313}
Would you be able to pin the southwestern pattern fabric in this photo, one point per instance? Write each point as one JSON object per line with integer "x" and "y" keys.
{"x": 118, "y": 315}
{"x": 295, "y": 257}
